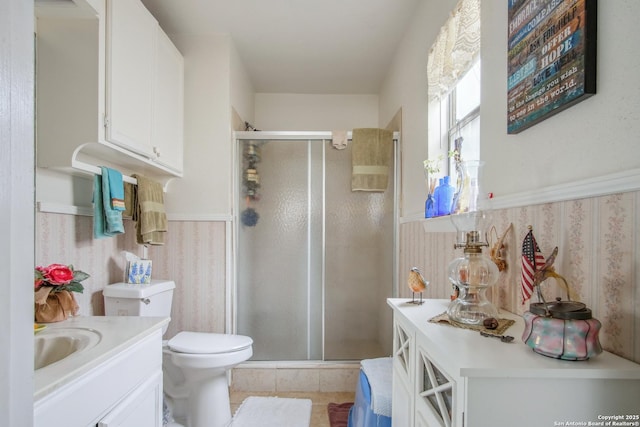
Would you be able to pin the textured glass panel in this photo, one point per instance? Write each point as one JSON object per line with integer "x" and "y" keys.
{"x": 316, "y": 210}
{"x": 273, "y": 288}
{"x": 314, "y": 232}
{"x": 359, "y": 261}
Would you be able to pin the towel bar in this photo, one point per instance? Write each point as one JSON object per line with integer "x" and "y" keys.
{"x": 95, "y": 170}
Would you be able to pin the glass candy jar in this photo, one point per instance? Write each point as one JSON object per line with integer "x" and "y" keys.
{"x": 472, "y": 274}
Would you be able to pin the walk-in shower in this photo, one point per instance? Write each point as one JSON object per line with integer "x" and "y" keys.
{"x": 314, "y": 261}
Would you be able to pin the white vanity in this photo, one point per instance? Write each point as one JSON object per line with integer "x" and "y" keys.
{"x": 448, "y": 376}
{"x": 112, "y": 377}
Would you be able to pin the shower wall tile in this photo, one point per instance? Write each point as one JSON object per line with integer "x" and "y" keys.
{"x": 339, "y": 379}
{"x": 253, "y": 379}
{"x": 296, "y": 377}
{"x": 297, "y": 380}
{"x": 599, "y": 247}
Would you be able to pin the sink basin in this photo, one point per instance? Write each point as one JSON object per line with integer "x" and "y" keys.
{"x": 54, "y": 345}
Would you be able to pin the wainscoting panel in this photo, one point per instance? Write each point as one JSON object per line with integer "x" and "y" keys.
{"x": 599, "y": 248}
{"x": 193, "y": 256}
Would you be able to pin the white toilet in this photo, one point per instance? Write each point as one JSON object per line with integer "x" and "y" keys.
{"x": 194, "y": 364}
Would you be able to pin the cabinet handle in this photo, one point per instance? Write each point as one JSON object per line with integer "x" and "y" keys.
{"x": 147, "y": 301}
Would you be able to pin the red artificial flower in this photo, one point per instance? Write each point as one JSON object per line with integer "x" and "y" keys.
{"x": 58, "y": 274}
{"x": 59, "y": 277}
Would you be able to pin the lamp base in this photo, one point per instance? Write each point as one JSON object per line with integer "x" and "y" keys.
{"x": 471, "y": 307}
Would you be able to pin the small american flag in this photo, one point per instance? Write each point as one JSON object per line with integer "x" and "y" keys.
{"x": 532, "y": 260}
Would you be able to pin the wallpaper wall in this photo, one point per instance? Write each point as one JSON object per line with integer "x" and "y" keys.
{"x": 193, "y": 256}
{"x": 598, "y": 240}
{"x": 599, "y": 252}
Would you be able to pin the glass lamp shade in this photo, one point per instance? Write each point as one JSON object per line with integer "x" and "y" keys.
{"x": 472, "y": 274}
{"x": 468, "y": 222}
{"x": 471, "y": 210}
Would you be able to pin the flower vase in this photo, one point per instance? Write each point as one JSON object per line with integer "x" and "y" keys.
{"x": 467, "y": 196}
{"x": 53, "y": 307}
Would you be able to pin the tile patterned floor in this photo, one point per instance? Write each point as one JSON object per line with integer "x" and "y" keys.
{"x": 319, "y": 415}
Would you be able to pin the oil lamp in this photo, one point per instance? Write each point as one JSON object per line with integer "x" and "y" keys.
{"x": 473, "y": 273}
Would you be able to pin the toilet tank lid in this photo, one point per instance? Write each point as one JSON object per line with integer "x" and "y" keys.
{"x": 137, "y": 290}
{"x": 208, "y": 343}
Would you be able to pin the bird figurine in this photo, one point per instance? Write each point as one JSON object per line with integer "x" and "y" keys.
{"x": 417, "y": 283}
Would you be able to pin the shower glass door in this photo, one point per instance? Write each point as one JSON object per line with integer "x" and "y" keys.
{"x": 279, "y": 274}
{"x": 314, "y": 272}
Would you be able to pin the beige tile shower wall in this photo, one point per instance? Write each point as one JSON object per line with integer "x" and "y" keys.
{"x": 277, "y": 377}
{"x": 193, "y": 256}
{"x": 599, "y": 254}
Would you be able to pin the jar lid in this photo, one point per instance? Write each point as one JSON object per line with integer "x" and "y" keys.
{"x": 567, "y": 310}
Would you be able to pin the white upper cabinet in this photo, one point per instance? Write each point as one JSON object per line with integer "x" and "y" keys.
{"x": 131, "y": 50}
{"x": 168, "y": 114}
{"x": 110, "y": 89}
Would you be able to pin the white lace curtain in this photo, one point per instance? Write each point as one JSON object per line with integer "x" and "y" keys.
{"x": 455, "y": 49}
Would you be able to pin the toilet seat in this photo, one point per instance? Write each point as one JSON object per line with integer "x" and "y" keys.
{"x": 208, "y": 343}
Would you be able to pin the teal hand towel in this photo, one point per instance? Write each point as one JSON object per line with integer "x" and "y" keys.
{"x": 116, "y": 189}
{"x": 112, "y": 217}
{"x": 98, "y": 211}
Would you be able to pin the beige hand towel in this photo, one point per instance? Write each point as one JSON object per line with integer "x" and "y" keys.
{"x": 149, "y": 213}
{"x": 371, "y": 156}
{"x": 129, "y": 200}
{"x": 339, "y": 139}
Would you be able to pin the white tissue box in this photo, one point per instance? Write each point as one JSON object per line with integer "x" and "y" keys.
{"x": 139, "y": 271}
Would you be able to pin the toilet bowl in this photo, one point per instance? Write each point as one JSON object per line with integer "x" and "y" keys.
{"x": 194, "y": 364}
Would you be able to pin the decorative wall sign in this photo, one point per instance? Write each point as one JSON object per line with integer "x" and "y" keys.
{"x": 551, "y": 58}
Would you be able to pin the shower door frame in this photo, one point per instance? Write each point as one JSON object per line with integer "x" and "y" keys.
{"x": 306, "y": 137}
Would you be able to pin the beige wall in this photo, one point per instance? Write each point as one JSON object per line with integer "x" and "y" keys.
{"x": 307, "y": 112}
{"x": 593, "y": 138}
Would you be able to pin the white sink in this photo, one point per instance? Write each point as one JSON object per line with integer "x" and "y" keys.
{"x": 54, "y": 345}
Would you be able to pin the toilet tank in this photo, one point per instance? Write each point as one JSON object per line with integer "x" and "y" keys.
{"x": 139, "y": 299}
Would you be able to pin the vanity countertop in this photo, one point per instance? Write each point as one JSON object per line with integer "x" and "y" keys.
{"x": 117, "y": 334}
{"x": 467, "y": 354}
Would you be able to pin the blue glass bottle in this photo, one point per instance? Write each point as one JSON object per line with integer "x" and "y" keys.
{"x": 429, "y": 207}
{"x": 445, "y": 197}
{"x": 436, "y": 197}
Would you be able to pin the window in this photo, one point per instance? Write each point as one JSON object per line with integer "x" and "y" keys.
{"x": 453, "y": 71}
{"x": 463, "y": 118}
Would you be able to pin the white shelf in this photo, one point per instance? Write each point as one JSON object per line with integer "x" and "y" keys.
{"x": 619, "y": 182}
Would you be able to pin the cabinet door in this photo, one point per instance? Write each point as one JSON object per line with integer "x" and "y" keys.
{"x": 403, "y": 378}
{"x": 168, "y": 104}
{"x": 402, "y": 398}
{"x": 140, "y": 408}
{"x": 130, "y": 62}
{"x": 435, "y": 392}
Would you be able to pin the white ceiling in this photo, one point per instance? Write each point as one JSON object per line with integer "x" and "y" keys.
{"x": 300, "y": 46}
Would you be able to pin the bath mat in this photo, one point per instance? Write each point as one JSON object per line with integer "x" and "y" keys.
{"x": 272, "y": 412}
{"x": 339, "y": 414}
